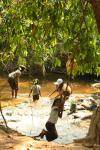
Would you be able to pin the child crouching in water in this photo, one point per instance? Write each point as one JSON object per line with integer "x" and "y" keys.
{"x": 35, "y": 90}
{"x": 51, "y": 132}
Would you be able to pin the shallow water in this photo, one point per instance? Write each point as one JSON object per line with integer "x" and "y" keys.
{"x": 30, "y": 118}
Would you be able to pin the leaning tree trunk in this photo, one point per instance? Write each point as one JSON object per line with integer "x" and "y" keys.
{"x": 96, "y": 8}
{"x": 93, "y": 136}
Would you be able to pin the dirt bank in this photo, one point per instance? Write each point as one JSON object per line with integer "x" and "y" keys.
{"x": 15, "y": 141}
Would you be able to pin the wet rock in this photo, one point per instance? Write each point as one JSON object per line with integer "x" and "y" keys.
{"x": 9, "y": 113}
{"x": 79, "y": 107}
{"x": 96, "y": 85}
{"x": 82, "y": 115}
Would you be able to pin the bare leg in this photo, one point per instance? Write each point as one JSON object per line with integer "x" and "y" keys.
{"x": 16, "y": 91}
{"x": 12, "y": 93}
{"x": 41, "y": 135}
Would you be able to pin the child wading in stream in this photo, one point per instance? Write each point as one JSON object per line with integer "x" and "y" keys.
{"x": 64, "y": 90}
{"x": 35, "y": 90}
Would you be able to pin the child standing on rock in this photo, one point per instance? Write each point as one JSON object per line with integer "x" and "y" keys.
{"x": 35, "y": 90}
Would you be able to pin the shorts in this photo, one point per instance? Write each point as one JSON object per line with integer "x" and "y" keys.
{"x": 13, "y": 84}
{"x": 51, "y": 131}
{"x": 35, "y": 97}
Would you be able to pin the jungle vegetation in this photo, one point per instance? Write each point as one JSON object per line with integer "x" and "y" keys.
{"x": 35, "y": 31}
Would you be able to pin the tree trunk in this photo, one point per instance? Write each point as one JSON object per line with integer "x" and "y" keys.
{"x": 96, "y": 8}
{"x": 93, "y": 137}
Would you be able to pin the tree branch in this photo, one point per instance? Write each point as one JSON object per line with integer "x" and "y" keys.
{"x": 3, "y": 116}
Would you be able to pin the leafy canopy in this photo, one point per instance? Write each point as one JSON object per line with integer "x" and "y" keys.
{"x": 32, "y": 30}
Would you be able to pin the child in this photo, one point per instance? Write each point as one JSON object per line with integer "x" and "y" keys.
{"x": 51, "y": 133}
{"x": 35, "y": 89}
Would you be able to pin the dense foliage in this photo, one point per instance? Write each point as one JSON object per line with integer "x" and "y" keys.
{"x": 33, "y": 31}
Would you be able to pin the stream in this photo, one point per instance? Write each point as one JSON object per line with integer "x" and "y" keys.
{"x": 29, "y": 118}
